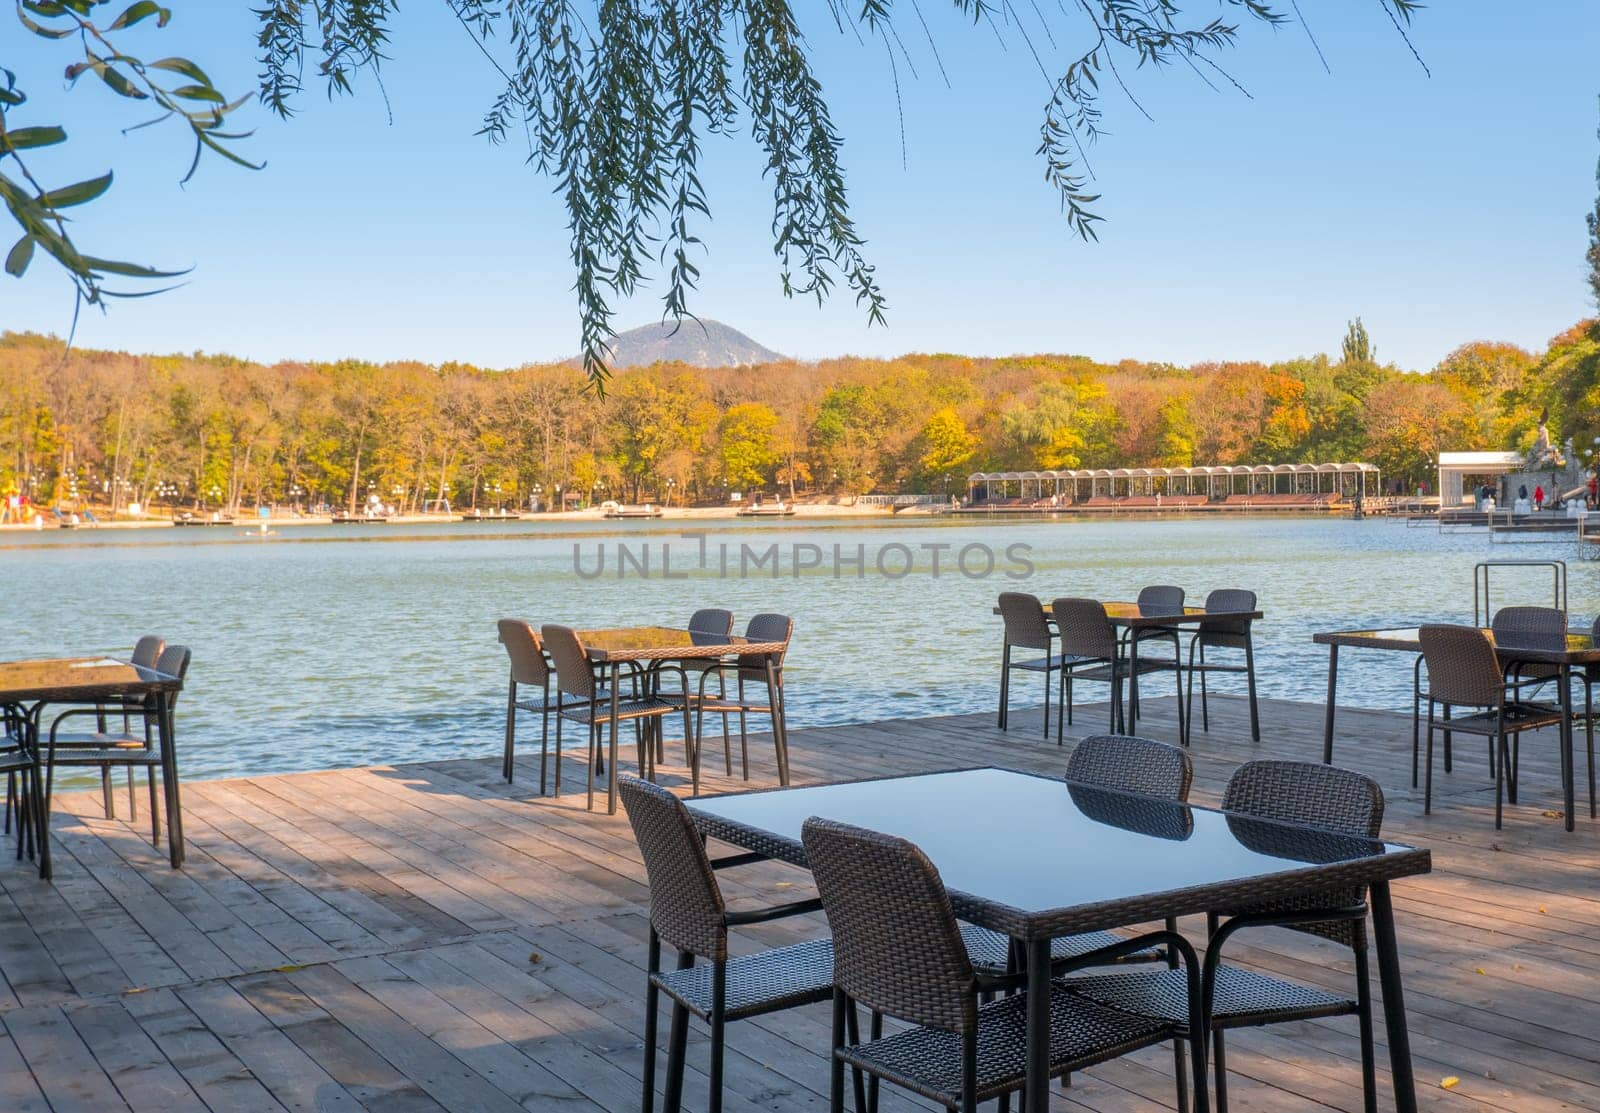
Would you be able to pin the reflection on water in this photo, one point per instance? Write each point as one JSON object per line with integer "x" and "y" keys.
{"x": 323, "y": 647}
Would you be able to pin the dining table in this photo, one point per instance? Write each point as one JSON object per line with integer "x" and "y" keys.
{"x": 34, "y": 685}
{"x": 1140, "y": 618}
{"x": 1580, "y": 651}
{"x": 649, "y": 649}
{"x": 1010, "y": 848}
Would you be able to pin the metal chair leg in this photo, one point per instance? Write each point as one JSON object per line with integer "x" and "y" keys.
{"x": 1369, "y": 1070}
{"x": 506, "y": 766}
{"x": 677, "y": 1045}
{"x": 1219, "y": 1054}
{"x": 652, "y": 1009}
{"x": 719, "y": 1032}
{"x": 1427, "y": 771}
{"x": 544, "y": 737}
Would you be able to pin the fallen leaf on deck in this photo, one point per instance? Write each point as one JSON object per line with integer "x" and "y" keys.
{"x": 289, "y": 969}
{"x": 1541, "y": 910}
{"x": 536, "y": 957}
{"x": 1553, "y": 815}
{"x": 1477, "y": 970}
{"x": 1449, "y": 1083}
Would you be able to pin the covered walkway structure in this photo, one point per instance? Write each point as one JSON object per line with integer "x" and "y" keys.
{"x": 1309, "y": 485}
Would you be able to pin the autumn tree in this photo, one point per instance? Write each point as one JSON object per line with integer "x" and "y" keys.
{"x": 944, "y": 451}
{"x": 745, "y": 447}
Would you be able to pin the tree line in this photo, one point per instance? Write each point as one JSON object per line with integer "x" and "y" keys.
{"x": 216, "y": 431}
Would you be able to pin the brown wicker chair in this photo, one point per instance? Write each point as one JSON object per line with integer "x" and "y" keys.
{"x": 899, "y": 952}
{"x": 1465, "y": 671}
{"x": 746, "y": 669}
{"x": 137, "y": 747}
{"x": 1590, "y": 676}
{"x": 1026, "y": 627}
{"x": 146, "y": 654}
{"x": 1224, "y": 633}
{"x": 528, "y": 669}
{"x": 17, "y": 763}
{"x": 1130, "y": 764}
{"x": 688, "y": 913}
{"x": 592, "y": 706}
{"x": 1092, "y": 651}
{"x": 1308, "y": 795}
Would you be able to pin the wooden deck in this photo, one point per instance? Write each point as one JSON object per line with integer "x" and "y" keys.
{"x": 425, "y": 938}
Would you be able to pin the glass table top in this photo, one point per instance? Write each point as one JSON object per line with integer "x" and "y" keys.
{"x": 1036, "y": 843}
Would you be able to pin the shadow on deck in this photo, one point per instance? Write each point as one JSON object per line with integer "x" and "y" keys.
{"x": 427, "y": 937}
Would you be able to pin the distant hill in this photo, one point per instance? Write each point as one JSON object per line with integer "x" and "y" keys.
{"x": 703, "y": 343}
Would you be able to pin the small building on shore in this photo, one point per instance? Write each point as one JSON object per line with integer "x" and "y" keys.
{"x": 1460, "y": 473}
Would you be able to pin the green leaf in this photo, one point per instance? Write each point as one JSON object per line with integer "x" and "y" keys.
{"x": 183, "y": 66}
{"x": 20, "y": 255}
{"x": 119, "y": 84}
{"x": 129, "y": 270}
{"x": 22, "y": 138}
{"x": 42, "y": 31}
{"x": 199, "y": 92}
{"x": 142, "y": 10}
{"x": 78, "y": 193}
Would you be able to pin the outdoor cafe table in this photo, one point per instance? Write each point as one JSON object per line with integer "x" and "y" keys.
{"x": 1580, "y": 651}
{"x": 1134, "y": 617}
{"x": 651, "y": 647}
{"x": 1035, "y": 858}
{"x": 31, "y": 686}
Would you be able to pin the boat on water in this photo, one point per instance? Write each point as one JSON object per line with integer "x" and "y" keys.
{"x": 648, "y": 510}
{"x": 768, "y": 510}
{"x": 189, "y": 518}
{"x": 491, "y": 516}
{"x": 363, "y": 519}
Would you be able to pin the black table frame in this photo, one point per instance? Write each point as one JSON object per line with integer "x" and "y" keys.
{"x": 155, "y": 688}
{"x": 1159, "y": 618}
{"x": 651, "y": 659}
{"x": 1033, "y": 931}
{"x": 1402, "y": 640}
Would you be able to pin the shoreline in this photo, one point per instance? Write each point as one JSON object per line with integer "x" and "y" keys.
{"x": 677, "y": 513}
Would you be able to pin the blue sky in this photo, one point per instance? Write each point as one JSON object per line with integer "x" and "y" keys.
{"x": 1441, "y": 209}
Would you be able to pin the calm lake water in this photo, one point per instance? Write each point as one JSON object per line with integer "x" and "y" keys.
{"x": 338, "y": 646}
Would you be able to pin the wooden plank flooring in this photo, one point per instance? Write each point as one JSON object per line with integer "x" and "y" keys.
{"x": 426, "y": 938}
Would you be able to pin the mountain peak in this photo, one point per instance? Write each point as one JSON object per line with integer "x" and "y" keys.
{"x": 702, "y": 343}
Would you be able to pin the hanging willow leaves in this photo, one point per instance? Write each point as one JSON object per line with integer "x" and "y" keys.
{"x": 615, "y": 99}
{"x": 194, "y": 104}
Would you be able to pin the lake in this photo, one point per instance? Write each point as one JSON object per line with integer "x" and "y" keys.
{"x": 338, "y": 646}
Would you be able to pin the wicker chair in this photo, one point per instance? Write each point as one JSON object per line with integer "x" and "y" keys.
{"x": 688, "y": 913}
{"x": 1465, "y": 671}
{"x": 130, "y": 748}
{"x": 712, "y": 622}
{"x": 1130, "y": 764}
{"x": 1224, "y": 633}
{"x": 1590, "y": 676}
{"x": 1308, "y": 795}
{"x": 746, "y": 669}
{"x": 18, "y": 765}
{"x": 1121, "y": 763}
{"x": 530, "y": 669}
{"x": 146, "y": 654}
{"x": 899, "y": 952}
{"x": 1026, "y": 627}
{"x": 595, "y": 708}
{"x": 1092, "y": 651}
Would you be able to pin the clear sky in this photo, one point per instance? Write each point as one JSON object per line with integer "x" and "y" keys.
{"x": 1441, "y": 209}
